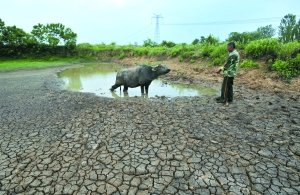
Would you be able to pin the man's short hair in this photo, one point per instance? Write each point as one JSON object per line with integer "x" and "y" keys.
{"x": 232, "y": 44}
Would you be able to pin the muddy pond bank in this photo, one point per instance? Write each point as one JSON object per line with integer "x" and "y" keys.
{"x": 99, "y": 77}
{"x": 55, "y": 141}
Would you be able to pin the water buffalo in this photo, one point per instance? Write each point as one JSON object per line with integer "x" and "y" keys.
{"x": 139, "y": 76}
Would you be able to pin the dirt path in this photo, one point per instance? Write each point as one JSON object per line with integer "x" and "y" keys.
{"x": 58, "y": 142}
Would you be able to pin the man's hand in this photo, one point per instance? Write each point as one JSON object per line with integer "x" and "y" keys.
{"x": 218, "y": 70}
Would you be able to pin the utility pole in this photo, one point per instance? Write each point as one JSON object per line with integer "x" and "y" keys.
{"x": 157, "y": 33}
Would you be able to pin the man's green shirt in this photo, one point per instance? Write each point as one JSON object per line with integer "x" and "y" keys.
{"x": 231, "y": 66}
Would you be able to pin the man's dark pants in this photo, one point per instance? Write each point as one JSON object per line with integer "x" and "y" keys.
{"x": 227, "y": 89}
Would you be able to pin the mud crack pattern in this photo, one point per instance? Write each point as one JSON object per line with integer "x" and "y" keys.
{"x": 59, "y": 142}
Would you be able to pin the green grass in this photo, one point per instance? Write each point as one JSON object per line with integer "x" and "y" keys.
{"x": 16, "y": 64}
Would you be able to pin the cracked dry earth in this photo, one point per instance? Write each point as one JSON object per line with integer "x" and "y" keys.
{"x": 60, "y": 142}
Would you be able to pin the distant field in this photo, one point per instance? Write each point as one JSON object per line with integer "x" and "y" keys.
{"x": 16, "y": 64}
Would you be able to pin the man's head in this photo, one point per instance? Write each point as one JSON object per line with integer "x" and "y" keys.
{"x": 231, "y": 46}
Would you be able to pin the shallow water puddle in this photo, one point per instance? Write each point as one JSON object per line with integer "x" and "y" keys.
{"x": 98, "y": 78}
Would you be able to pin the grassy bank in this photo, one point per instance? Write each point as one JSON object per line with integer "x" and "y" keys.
{"x": 283, "y": 58}
{"x": 31, "y": 63}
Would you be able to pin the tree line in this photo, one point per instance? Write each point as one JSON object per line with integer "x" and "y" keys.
{"x": 56, "y": 39}
{"x": 47, "y": 39}
{"x": 288, "y": 31}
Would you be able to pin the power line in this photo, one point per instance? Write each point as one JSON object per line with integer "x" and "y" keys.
{"x": 245, "y": 21}
{"x": 140, "y": 32}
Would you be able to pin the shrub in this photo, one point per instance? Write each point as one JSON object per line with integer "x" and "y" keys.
{"x": 157, "y": 51}
{"x": 282, "y": 67}
{"x": 141, "y": 51}
{"x": 192, "y": 61}
{"x": 84, "y": 46}
{"x": 289, "y": 50}
{"x": 295, "y": 65}
{"x": 149, "y": 43}
{"x": 218, "y": 62}
{"x": 168, "y": 44}
{"x": 287, "y": 69}
{"x": 262, "y": 48}
{"x": 249, "y": 64}
{"x": 206, "y": 50}
{"x": 219, "y": 54}
{"x": 122, "y": 55}
{"x": 174, "y": 52}
{"x": 187, "y": 54}
{"x": 210, "y": 40}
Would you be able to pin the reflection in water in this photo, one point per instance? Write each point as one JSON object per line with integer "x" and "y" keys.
{"x": 73, "y": 82}
{"x": 125, "y": 95}
{"x": 88, "y": 77}
{"x": 98, "y": 78}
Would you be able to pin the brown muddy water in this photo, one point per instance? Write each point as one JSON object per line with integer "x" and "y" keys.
{"x": 98, "y": 78}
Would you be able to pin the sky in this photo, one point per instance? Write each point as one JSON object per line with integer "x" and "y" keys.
{"x": 133, "y": 21}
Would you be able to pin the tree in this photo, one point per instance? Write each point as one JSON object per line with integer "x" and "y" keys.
{"x": 167, "y": 44}
{"x": 265, "y": 32}
{"x": 39, "y": 33}
{"x": 54, "y": 34}
{"x": 2, "y": 27}
{"x": 288, "y": 28}
{"x": 195, "y": 42}
{"x": 13, "y": 36}
{"x": 210, "y": 40}
{"x": 2, "y": 24}
{"x": 69, "y": 37}
{"x": 235, "y": 36}
{"x": 202, "y": 39}
{"x": 297, "y": 31}
{"x": 244, "y": 37}
{"x": 149, "y": 43}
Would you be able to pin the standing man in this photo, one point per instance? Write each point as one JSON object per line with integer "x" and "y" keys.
{"x": 229, "y": 72}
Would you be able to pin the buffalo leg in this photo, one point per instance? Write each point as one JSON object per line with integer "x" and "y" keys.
{"x": 115, "y": 86}
{"x": 142, "y": 89}
{"x": 147, "y": 87}
{"x": 125, "y": 90}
